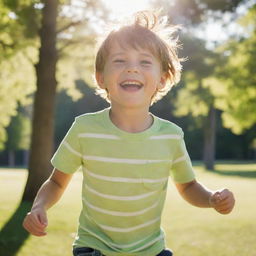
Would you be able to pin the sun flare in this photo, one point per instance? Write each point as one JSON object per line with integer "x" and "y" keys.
{"x": 120, "y": 8}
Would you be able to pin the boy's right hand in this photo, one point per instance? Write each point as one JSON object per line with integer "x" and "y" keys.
{"x": 36, "y": 222}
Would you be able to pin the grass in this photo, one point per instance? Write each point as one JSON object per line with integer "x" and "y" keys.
{"x": 190, "y": 231}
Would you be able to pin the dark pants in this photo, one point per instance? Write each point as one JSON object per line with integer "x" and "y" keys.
{"x": 85, "y": 251}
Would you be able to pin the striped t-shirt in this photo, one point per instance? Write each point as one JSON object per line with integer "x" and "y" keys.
{"x": 125, "y": 177}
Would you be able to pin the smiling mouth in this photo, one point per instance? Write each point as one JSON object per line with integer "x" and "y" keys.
{"x": 131, "y": 85}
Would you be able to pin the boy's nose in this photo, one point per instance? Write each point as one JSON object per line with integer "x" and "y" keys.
{"x": 132, "y": 69}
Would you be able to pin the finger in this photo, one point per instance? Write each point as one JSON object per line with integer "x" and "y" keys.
{"x": 215, "y": 198}
{"x": 225, "y": 193}
{"x": 229, "y": 201}
{"x": 30, "y": 226}
{"x": 38, "y": 233}
{"x": 228, "y": 204}
{"x": 225, "y": 210}
{"x": 225, "y": 207}
{"x": 33, "y": 221}
{"x": 43, "y": 219}
{"x": 33, "y": 217}
{"x": 225, "y": 202}
{"x": 33, "y": 229}
{"x": 36, "y": 219}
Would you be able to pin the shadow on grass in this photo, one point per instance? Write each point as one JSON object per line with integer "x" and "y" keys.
{"x": 245, "y": 173}
{"x": 245, "y": 169}
{"x": 12, "y": 235}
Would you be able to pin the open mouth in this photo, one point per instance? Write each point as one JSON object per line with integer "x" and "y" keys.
{"x": 131, "y": 85}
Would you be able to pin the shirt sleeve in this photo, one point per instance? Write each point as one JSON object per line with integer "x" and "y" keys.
{"x": 181, "y": 169}
{"x": 68, "y": 157}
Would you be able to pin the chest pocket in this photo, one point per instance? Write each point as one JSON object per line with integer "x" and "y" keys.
{"x": 156, "y": 178}
{"x": 156, "y": 184}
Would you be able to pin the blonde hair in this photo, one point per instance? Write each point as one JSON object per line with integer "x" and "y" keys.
{"x": 146, "y": 30}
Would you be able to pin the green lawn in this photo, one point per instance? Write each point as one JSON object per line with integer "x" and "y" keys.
{"x": 189, "y": 231}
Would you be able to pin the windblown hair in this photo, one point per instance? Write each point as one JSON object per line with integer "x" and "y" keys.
{"x": 148, "y": 31}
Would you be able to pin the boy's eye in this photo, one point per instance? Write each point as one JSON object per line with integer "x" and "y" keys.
{"x": 146, "y": 62}
{"x": 118, "y": 61}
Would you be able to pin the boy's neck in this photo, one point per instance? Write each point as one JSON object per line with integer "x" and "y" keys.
{"x": 131, "y": 120}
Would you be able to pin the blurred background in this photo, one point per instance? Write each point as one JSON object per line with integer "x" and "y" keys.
{"x": 51, "y": 53}
{"x": 47, "y": 51}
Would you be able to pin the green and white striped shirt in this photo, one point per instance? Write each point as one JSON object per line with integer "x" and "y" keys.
{"x": 125, "y": 177}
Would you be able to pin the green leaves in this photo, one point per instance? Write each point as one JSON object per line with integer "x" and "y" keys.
{"x": 238, "y": 79}
{"x": 19, "y": 132}
{"x": 17, "y": 82}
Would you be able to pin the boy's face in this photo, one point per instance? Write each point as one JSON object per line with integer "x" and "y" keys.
{"x": 131, "y": 76}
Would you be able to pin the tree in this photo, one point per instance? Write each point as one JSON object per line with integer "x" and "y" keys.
{"x": 44, "y": 102}
{"x": 234, "y": 84}
{"x": 42, "y": 126}
{"x": 19, "y": 26}
{"x": 18, "y": 136}
{"x": 192, "y": 13}
{"x": 196, "y": 98}
{"x": 15, "y": 47}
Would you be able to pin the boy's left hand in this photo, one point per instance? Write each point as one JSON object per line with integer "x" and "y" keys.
{"x": 222, "y": 201}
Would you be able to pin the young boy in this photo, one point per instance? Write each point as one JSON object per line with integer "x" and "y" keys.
{"x": 126, "y": 153}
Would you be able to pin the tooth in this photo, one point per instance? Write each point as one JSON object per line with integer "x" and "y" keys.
{"x": 131, "y": 82}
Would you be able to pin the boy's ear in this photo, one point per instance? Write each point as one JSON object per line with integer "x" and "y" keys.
{"x": 100, "y": 79}
{"x": 163, "y": 80}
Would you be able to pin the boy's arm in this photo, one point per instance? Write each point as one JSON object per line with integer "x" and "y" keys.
{"x": 196, "y": 194}
{"x": 50, "y": 192}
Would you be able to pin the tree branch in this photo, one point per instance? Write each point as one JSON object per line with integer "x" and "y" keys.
{"x": 71, "y": 24}
{"x": 67, "y": 44}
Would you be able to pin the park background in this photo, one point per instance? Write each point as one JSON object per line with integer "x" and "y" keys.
{"x": 47, "y": 51}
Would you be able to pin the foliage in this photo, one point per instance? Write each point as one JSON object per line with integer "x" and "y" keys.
{"x": 201, "y": 86}
{"x": 77, "y": 34}
{"x": 19, "y": 132}
{"x": 19, "y": 28}
{"x": 234, "y": 84}
{"x": 224, "y": 78}
{"x": 194, "y": 12}
{"x": 193, "y": 97}
{"x": 17, "y": 82}
{"x": 26, "y": 15}
{"x": 200, "y": 83}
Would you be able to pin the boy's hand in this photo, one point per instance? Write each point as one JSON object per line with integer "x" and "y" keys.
{"x": 222, "y": 201}
{"x": 36, "y": 222}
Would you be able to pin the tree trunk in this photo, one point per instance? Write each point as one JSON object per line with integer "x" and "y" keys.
{"x": 43, "y": 113}
{"x": 25, "y": 158}
{"x": 209, "y": 139}
{"x": 11, "y": 158}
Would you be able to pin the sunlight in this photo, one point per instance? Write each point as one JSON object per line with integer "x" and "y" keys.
{"x": 119, "y": 9}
